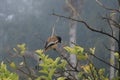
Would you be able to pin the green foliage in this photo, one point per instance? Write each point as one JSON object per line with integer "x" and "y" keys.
{"x": 92, "y": 50}
{"x": 86, "y": 71}
{"x": 61, "y": 78}
{"x": 92, "y": 73}
{"x": 89, "y": 71}
{"x": 5, "y": 74}
{"x": 60, "y": 66}
{"x": 74, "y": 50}
{"x": 116, "y": 78}
{"x": 78, "y": 51}
{"x": 116, "y": 54}
{"x": 21, "y": 48}
{"x": 13, "y": 65}
{"x": 49, "y": 66}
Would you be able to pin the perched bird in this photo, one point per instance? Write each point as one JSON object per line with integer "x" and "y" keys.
{"x": 52, "y": 42}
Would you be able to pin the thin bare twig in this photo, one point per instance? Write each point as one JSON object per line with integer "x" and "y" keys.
{"x": 104, "y": 61}
{"x": 32, "y": 76}
{"x": 26, "y": 65}
{"x": 109, "y": 23}
{"x": 102, "y": 5}
{"x": 89, "y": 27}
{"x": 92, "y": 73}
{"x": 99, "y": 58}
{"x": 95, "y": 69}
{"x": 22, "y": 71}
{"x": 117, "y": 25}
{"x": 109, "y": 49}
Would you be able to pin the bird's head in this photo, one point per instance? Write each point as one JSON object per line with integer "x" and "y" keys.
{"x": 59, "y": 39}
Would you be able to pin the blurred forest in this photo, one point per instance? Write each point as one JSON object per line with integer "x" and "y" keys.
{"x": 31, "y": 22}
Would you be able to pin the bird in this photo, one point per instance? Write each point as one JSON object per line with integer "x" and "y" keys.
{"x": 52, "y": 43}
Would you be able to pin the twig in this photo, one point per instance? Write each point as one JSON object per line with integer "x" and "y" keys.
{"x": 17, "y": 68}
{"x": 74, "y": 68}
{"x": 24, "y": 59}
{"x": 95, "y": 69}
{"x": 102, "y": 5}
{"x": 104, "y": 61}
{"x": 89, "y": 27}
{"x": 68, "y": 62}
{"x": 109, "y": 23}
{"x": 109, "y": 49}
{"x": 92, "y": 73}
{"x": 117, "y": 25}
{"x": 100, "y": 59}
{"x": 32, "y": 76}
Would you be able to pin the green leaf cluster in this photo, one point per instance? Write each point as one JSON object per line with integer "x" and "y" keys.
{"x": 88, "y": 71}
{"x": 116, "y": 54}
{"x": 5, "y": 74}
{"x": 21, "y": 48}
{"x": 78, "y": 51}
{"x": 61, "y": 78}
{"x": 49, "y": 66}
{"x": 92, "y": 73}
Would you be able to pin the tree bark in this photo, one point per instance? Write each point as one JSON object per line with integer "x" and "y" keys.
{"x": 112, "y": 70}
{"x": 112, "y": 47}
{"x": 119, "y": 56}
{"x": 72, "y": 33}
{"x": 71, "y": 5}
{"x": 72, "y": 24}
{"x": 119, "y": 44}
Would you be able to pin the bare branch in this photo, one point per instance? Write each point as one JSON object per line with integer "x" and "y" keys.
{"x": 89, "y": 27}
{"x": 118, "y": 2}
{"x": 109, "y": 49}
{"x": 104, "y": 61}
{"x": 33, "y": 76}
{"x": 94, "y": 68}
{"x": 26, "y": 65}
{"x": 24, "y": 72}
{"x": 117, "y": 25}
{"x": 99, "y": 58}
{"x": 72, "y": 8}
{"x": 109, "y": 23}
{"x": 102, "y": 5}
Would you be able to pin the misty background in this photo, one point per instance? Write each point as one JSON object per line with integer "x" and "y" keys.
{"x": 30, "y": 22}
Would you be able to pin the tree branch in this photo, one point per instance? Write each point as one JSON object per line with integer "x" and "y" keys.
{"x": 23, "y": 71}
{"x": 102, "y": 5}
{"x": 99, "y": 58}
{"x": 109, "y": 48}
{"x": 117, "y": 25}
{"x": 118, "y": 2}
{"x": 26, "y": 65}
{"x": 104, "y": 61}
{"x": 89, "y": 27}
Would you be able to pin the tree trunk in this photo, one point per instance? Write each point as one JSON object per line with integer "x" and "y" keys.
{"x": 119, "y": 45}
{"x": 112, "y": 46}
{"x": 119, "y": 56}
{"x": 73, "y": 24}
{"x": 72, "y": 6}
{"x": 112, "y": 70}
{"x": 72, "y": 30}
{"x": 72, "y": 33}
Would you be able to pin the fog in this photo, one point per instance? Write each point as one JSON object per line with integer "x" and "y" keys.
{"x": 30, "y": 22}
